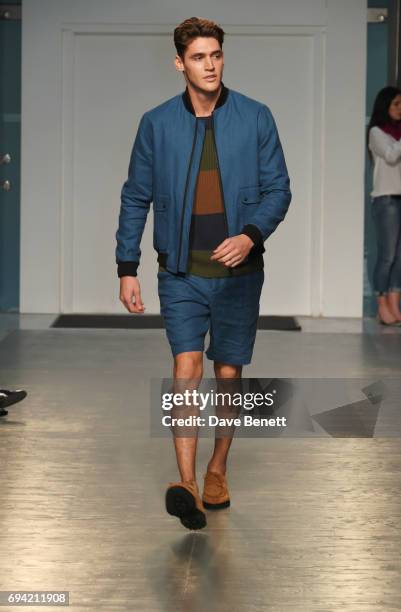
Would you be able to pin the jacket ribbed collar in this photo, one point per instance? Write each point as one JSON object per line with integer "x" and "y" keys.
{"x": 186, "y": 98}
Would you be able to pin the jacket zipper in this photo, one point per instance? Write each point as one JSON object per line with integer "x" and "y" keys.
{"x": 221, "y": 184}
{"x": 185, "y": 193}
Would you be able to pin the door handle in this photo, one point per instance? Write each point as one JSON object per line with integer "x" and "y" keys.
{"x": 5, "y": 158}
{"x": 5, "y": 185}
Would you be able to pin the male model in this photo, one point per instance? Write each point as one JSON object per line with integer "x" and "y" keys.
{"x": 211, "y": 161}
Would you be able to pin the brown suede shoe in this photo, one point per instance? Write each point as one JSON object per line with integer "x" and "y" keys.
{"x": 215, "y": 492}
{"x": 183, "y": 500}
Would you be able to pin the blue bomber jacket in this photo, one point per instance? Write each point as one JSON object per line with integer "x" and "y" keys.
{"x": 164, "y": 165}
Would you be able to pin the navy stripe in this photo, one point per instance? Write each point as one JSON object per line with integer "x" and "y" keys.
{"x": 207, "y": 231}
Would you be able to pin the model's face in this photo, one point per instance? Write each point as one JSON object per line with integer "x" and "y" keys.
{"x": 203, "y": 58}
{"x": 394, "y": 110}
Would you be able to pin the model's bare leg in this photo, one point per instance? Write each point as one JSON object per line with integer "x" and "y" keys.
{"x": 218, "y": 461}
{"x": 183, "y": 498}
{"x": 187, "y": 365}
{"x": 393, "y": 303}
{"x": 384, "y": 311}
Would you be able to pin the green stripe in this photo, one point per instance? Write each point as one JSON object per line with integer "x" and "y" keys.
{"x": 209, "y": 159}
{"x": 199, "y": 264}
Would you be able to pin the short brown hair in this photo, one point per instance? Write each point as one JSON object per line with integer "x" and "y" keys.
{"x": 192, "y": 28}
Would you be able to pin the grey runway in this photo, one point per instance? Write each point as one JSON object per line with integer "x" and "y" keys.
{"x": 314, "y": 524}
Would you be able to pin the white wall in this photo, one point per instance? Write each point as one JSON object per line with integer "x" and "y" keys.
{"x": 82, "y": 62}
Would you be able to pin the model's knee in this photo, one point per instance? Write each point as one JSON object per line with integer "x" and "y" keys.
{"x": 225, "y": 370}
{"x": 188, "y": 365}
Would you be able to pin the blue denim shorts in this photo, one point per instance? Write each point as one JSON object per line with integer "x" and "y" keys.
{"x": 226, "y": 307}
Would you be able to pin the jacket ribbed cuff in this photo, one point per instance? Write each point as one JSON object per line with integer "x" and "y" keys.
{"x": 127, "y": 268}
{"x": 253, "y": 233}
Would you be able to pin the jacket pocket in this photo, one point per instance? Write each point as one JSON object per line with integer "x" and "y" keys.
{"x": 250, "y": 195}
{"x": 160, "y": 221}
{"x": 249, "y": 200}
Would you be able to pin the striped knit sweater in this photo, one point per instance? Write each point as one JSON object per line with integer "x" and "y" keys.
{"x": 208, "y": 222}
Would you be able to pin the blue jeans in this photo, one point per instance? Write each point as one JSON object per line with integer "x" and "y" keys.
{"x": 386, "y": 214}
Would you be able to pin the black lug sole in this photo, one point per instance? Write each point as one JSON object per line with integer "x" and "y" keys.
{"x": 181, "y": 503}
{"x": 217, "y": 506}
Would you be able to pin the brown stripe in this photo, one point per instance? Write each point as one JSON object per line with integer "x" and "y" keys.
{"x": 208, "y": 198}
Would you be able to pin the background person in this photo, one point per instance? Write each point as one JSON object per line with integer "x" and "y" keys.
{"x": 384, "y": 145}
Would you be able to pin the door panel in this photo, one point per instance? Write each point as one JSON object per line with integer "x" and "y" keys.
{"x": 10, "y": 109}
{"x": 104, "y": 122}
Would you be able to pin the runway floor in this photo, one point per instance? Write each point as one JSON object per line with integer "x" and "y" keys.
{"x": 314, "y": 525}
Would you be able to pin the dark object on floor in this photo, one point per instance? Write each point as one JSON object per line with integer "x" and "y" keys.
{"x": 139, "y": 321}
{"x": 279, "y": 323}
{"x": 7, "y": 398}
{"x": 3, "y": 412}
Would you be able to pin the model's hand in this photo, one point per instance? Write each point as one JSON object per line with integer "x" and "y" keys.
{"x": 129, "y": 288}
{"x": 233, "y": 250}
